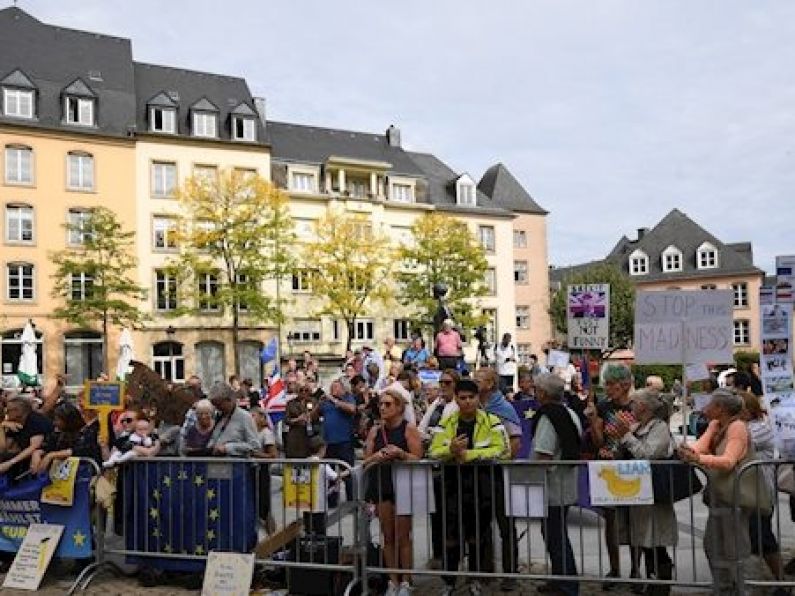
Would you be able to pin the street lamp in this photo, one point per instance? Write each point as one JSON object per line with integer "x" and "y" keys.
{"x": 170, "y": 331}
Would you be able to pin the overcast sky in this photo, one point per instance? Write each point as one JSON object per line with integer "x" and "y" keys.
{"x": 611, "y": 113}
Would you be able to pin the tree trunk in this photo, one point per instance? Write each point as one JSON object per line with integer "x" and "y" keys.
{"x": 235, "y": 337}
{"x": 349, "y": 324}
{"x": 105, "y": 352}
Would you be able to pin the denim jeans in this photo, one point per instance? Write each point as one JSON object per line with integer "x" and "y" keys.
{"x": 556, "y": 536}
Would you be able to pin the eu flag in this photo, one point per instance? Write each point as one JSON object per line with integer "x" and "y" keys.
{"x": 189, "y": 508}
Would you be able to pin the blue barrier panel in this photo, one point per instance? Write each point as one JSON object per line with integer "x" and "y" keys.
{"x": 185, "y": 507}
{"x": 20, "y": 506}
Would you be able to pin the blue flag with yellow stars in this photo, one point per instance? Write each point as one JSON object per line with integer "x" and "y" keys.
{"x": 186, "y": 508}
{"x": 20, "y": 506}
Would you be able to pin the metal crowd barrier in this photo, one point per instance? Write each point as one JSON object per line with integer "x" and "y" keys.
{"x": 170, "y": 512}
{"x": 495, "y": 517}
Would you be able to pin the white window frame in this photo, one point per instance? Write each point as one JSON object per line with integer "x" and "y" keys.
{"x": 491, "y": 325}
{"x": 168, "y": 281}
{"x": 523, "y": 317}
{"x": 17, "y": 270}
{"x": 518, "y": 278}
{"x": 302, "y": 281}
{"x": 208, "y": 285}
{"x": 638, "y": 263}
{"x": 523, "y": 352}
{"x": 519, "y": 239}
{"x": 363, "y": 330}
{"x": 249, "y": 125}
{"x": 401, "y": 329}
{"x": 85, "y": 110}
{"x": 671, "y": 260}
{"x": 21, "y": 97}
{"x": 742, "y": 332}
{"x": 401, "y": 192}
{"x": 77, "y": 217}
{"x": 707, "y": 256}
{"x": 164, "y": 227}
{"x": 82, "y": 282}
{"x": 466, "y": 196}
{"x": 205, "y": 124}
{"x": 173, "y": 361}
{"x": 490, "y": 281}
{"x": 740, "y": 289}
{"x": 84, "y": 170}
{"x": 20, "y": 153}
{"x": 168, "y": 120}
{"x": 21, "y": 214}
{"x": 487, "y": 238}
{"x": 306, "y": 331}
{"x": 159, "y": 177}
{"x": 303, "y": 182}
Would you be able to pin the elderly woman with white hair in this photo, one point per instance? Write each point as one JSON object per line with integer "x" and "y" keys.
{"x": 650, "y": 528}
{"x": 722, "y": 450}
{"x": 195, "y": 437}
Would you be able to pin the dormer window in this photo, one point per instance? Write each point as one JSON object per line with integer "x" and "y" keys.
{"x": 78, "y": 104}
{"x": 162, "y": 120}
{"x": 465, "y": 191}
{"x": 671, "y": 259}
{"x": 244, "y": 129}
{"x": 638, "y": 263}
{"x": 19, "y": 95}
{"x": 707, "y": 256}
{"x": 204, "y": 124}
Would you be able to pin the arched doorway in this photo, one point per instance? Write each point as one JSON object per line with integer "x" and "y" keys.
{"x": 250, "y": 361}
{"x": 168, "y": 361}
{"x": 210, "y": 363}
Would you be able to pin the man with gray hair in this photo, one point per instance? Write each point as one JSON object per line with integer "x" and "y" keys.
{"x": 557, "y": 433}
{"x": 235, "y": 433}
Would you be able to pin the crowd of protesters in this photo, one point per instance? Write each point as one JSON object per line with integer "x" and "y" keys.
{"x": 379, "y": 412}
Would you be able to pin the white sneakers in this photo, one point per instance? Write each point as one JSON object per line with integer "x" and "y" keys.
{"x": 404, "y": 589}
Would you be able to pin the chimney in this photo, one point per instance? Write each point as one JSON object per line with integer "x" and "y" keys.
{"x": 259, "y": 104}
{"x": 642, "y": 232}
{"x": 393, "y": 136}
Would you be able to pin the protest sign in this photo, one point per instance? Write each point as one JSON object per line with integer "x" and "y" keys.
{"x": 588, "y": 316}
{"x": 558, "y": 358}
{"x": 785, "y": 279}
{"x": 678, "y": 327}
{"x": 429, "y": 377}
{"x": 103, "y": 398}
{"x": 620, "y": 482}
{"x": 302, "y": 488}
{"x": 63, "y": 474}
{"x": 696, "y": 372}
{"x": 33, "y": 557}
{"x": 228, "y": 574}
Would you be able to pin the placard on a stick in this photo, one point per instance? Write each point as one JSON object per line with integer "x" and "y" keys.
{"x": 33, "y": 557}
{"x": 228, "y": 574}
{"x": 588, "y": 316}
{"x": 103, "y": 398}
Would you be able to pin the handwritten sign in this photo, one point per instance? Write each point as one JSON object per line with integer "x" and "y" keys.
{"x": 228, "y": 574}
{"x": 620, "y": 482}
{"x": 558, "y": 358}
{"x": 673, "y": 327}
{"x": 33, "y": 557}
{"x": 588, "y": 316}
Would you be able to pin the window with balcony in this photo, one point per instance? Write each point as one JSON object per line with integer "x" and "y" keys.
{"x": 519, "y": 239}
{"x": 740, "y": 290}
{"x": 19, "y": 164}
{"x": 358, "y": 188}
{"x": 523, "y": 317}
{"x": 671, "y": 259}
{"x": 77, "y": 223}
{"x": 164, "y": 233}
{"x": 165, "y": 290}
{"x": 80, "y": 171}
{"x": 486, "y": 237}
{"x": 742, "y": 332}
{"x": 164, "y": 179}
{"x": 18, "y": 103}
{"x": 520, "y": 272}
{"x": 20, "y": 282}
{"x": 19, "y": 224}
{"x": 82, "y": 285}
{"x": 638, "y": 263}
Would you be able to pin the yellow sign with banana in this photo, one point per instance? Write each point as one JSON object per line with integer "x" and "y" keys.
{"x": 620, "y": 482}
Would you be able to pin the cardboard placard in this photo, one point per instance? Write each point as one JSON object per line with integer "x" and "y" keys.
{"x": 557, "y": 358}
{"x": 33, "y": 557}
{"x": 588, "y": 316}
{"x": 103, "y": 398}
{"x": 228, "y": 574}
{"x": 620, "y": 482}
{"x": 684, "y": 326}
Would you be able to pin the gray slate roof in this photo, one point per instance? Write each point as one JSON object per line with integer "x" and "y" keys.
{"x": 313, "y": 144}
{"x": 679, "y": 230}
{"x": 191, "y": 89}
{"x": 441, "y": 187}
{"x": 53, "y": 57}
{"x": 500, "y": 185}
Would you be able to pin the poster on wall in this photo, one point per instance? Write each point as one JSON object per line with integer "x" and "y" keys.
{"x": 588, "y": 316}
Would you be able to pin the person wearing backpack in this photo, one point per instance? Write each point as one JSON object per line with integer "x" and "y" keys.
{"x": 505, "y": 361}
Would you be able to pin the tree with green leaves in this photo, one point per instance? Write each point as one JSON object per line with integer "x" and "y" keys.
{"x": 235, "y": 235}
{"x": 350, "y": 268}
{"x": 622, "y": 301}
{"x": 95, "y": 276}
{"x": 445, "y": 251}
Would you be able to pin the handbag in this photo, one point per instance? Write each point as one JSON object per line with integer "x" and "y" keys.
{"x": 673, "y": 482}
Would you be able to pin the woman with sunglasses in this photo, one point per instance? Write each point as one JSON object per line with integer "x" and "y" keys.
{"x": 394, "y": 439}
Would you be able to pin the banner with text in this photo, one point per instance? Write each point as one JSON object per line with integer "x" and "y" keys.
{"x": 588, "y": 316}
{"x": 620, "y": 482}
{"x": 684, "y": 327}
